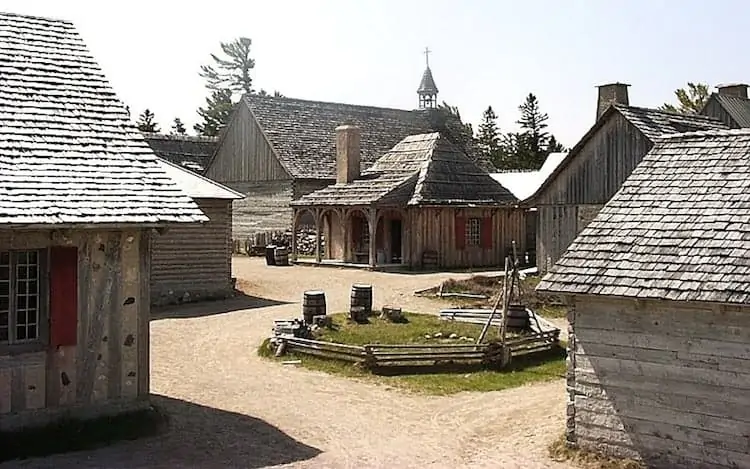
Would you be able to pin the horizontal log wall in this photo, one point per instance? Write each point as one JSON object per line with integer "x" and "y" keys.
{"x": 264, "y": 208}
{"x": 594, "y": 174}
{"x": 244, "y": 154}
{"x": 434, "y": 229}
{"x": 666, "y": 382}
{"x": 107, "y": 371}
{"x": 194, "y": 261}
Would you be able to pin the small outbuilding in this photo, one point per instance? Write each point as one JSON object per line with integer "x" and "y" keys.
{"x": 80, "y": 195}
{"x": 422, "y": 204}
{"x": 658, "y": 286}
{"x": 194, "y": 262}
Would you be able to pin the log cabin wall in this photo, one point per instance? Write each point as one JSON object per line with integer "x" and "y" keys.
{"x": 194, "y": 261}
{"x": 439, "y": 229}
{"x": 584, "y": 185}
{"x": 654, "y": 379}
{"x": 92, "y": 356}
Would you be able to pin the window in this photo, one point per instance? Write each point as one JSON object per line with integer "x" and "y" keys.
{"x": 21, "y": 317}
{"x": 473, "y": 231}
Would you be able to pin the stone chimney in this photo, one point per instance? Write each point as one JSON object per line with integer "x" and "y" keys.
{"x": 347, "y": 153}
{"x": 737, "y": 90}
{"x": 611, "y": 93}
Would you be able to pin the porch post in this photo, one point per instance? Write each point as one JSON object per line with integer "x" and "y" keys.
{"x": 405, "y": 241}
{"x": 318, "y": 254}
{"x": 294, "y": 235}
{"x": 372, "y": 224}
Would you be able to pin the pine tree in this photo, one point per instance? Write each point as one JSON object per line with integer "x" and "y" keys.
{"x": 533, "y": 146}
{"x": 216, "y": 114}
{"x": 147, "y": 122}
{"x": 488, "y": 138}
{"x": 691, "y": 100}
{"x": 178, "y": 127}
{"x": 553, "y": 146}
{"x": 231, "y": 72}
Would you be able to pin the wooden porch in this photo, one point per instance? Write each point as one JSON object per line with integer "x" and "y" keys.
{"x": 358, "y": 237}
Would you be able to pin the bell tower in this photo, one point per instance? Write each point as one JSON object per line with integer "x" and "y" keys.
{"x": 427, "y": 89}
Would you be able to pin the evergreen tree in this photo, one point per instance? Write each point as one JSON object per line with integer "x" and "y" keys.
{"x": 216, "y": 114}
{"x": 533, "y": 145}
{"x": 147, "y": 122}
{"x": 553, "y": 146}
{"x": 488, "y": 138}
{"x": 178, "y": 127}
{"x": 690, "y": 100}
{"x": 231, "y": 72}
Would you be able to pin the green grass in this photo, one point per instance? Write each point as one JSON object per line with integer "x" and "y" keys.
{"x": 434, "y": 380}
{"x": 560, "y": 452}
{"x": 75, "y": 435}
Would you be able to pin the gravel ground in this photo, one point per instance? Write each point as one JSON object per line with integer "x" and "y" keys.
{"x": 230, "y": 409}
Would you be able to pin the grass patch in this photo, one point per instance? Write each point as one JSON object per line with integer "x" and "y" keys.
{"x": 560, "y": 452}
{"x": 67, "y": 435}
{"x": 434, "y": 380}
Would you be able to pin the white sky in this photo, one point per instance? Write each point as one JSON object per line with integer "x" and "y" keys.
{"x": 370, "y": 51}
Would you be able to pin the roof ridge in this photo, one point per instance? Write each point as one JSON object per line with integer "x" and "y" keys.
{"x": 185, "y": 138}
{"x": 705, "y": 133}
{"x": 331, "y": 103}
{"x": 668, "y": 113}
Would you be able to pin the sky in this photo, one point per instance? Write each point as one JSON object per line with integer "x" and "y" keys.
{"x": 370, "y": 52}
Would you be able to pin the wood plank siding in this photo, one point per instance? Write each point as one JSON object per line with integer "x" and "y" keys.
{"x": 714, "y": 109}
{"x": 193, "y": 261}
{"x": 583, "y": 186}
{"x": 106, "y": 370}
{"x": 655, "y": 379}
{"x": 244, "y": 153}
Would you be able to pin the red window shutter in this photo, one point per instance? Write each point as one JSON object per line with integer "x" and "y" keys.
{"x": 63, "y": 296}
{"x": 486, "y": 233}
{"x": 460, "y": 232}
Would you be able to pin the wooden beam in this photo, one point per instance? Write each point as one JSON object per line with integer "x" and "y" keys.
{"x": 318, "y": 254}
{"x": 372, "y": 225}
{"x": 294, "y": 234}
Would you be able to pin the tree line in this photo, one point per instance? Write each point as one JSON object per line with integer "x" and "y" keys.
{"x": 227, "y": 80}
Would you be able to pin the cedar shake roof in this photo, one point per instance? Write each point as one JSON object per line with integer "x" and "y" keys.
{"x": 678, "y": 229}
{"x": 652, "y": 123}
{"x": 301, "y": 132}
{"x": 737, "y": 107}
{"x": 424, "y": 169}
{"x": 197, "y": 186}
{"x": 187, "y": 151}
{"x": 68, "y": 153}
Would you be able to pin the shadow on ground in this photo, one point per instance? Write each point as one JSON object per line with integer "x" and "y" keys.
{"x": 208, "y": 308}
{"x": 195, "y": 436}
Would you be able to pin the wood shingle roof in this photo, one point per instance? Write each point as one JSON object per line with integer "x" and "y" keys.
{"x": 737, "y": 107}
{"x": 187, "y": 151}
{"x": 424, "y": 169}
{"x": 68, "y": 153}
{"x": 301, "y": 132}
{"x": 678, "y": 229}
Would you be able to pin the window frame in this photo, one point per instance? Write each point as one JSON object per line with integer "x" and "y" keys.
{"x": 13, "y": 346}
{"x": 473, "y": 239}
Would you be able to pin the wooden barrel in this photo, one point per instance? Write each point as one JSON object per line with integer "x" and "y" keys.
{"x": 518, "y": 317}
{"x": 281, "y": 255}
{"x": 270, "y": 253}
{"x": 313, "y": 304}
{"x": 362, "y": 296}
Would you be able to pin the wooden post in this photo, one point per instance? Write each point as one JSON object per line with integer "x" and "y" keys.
{"x": 294, "y": 235}
{"x": 318, "y": 254}
{"x": 372, "y": 222}
{"x": 504, "y": 299}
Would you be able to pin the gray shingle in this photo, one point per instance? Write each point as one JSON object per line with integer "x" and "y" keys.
{"x": 68, "y": 153}
{"x": 187, "y": 151}
{"x": 698, "y": 250}
{"x": 423, "y": 169}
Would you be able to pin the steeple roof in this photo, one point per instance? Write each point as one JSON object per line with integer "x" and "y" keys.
{"x": 427, "y": 85}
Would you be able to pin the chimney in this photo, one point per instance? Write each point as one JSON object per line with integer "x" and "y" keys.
{"x": 737, "y": 90}
{"x": 611, "y": 93}
{"x": 347, "y": 153}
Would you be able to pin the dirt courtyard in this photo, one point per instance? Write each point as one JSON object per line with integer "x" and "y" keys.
{"x": 230, "y": 409}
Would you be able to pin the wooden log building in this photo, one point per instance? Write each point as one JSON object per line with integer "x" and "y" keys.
{"x": 275, "y": 150}
{"x": 186, "y": 151}
{"x": 659, "y": 293}
{"x": 81, "y": 194}
{"x": 595, "y": 168}
{"x": 192, "y": 262}
{"x": 423, "y": 204}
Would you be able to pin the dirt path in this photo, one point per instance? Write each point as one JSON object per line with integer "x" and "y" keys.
{"x": 205, "y": 369}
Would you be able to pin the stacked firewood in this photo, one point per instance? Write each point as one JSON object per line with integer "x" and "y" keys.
{"x": 306, "y": 242}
